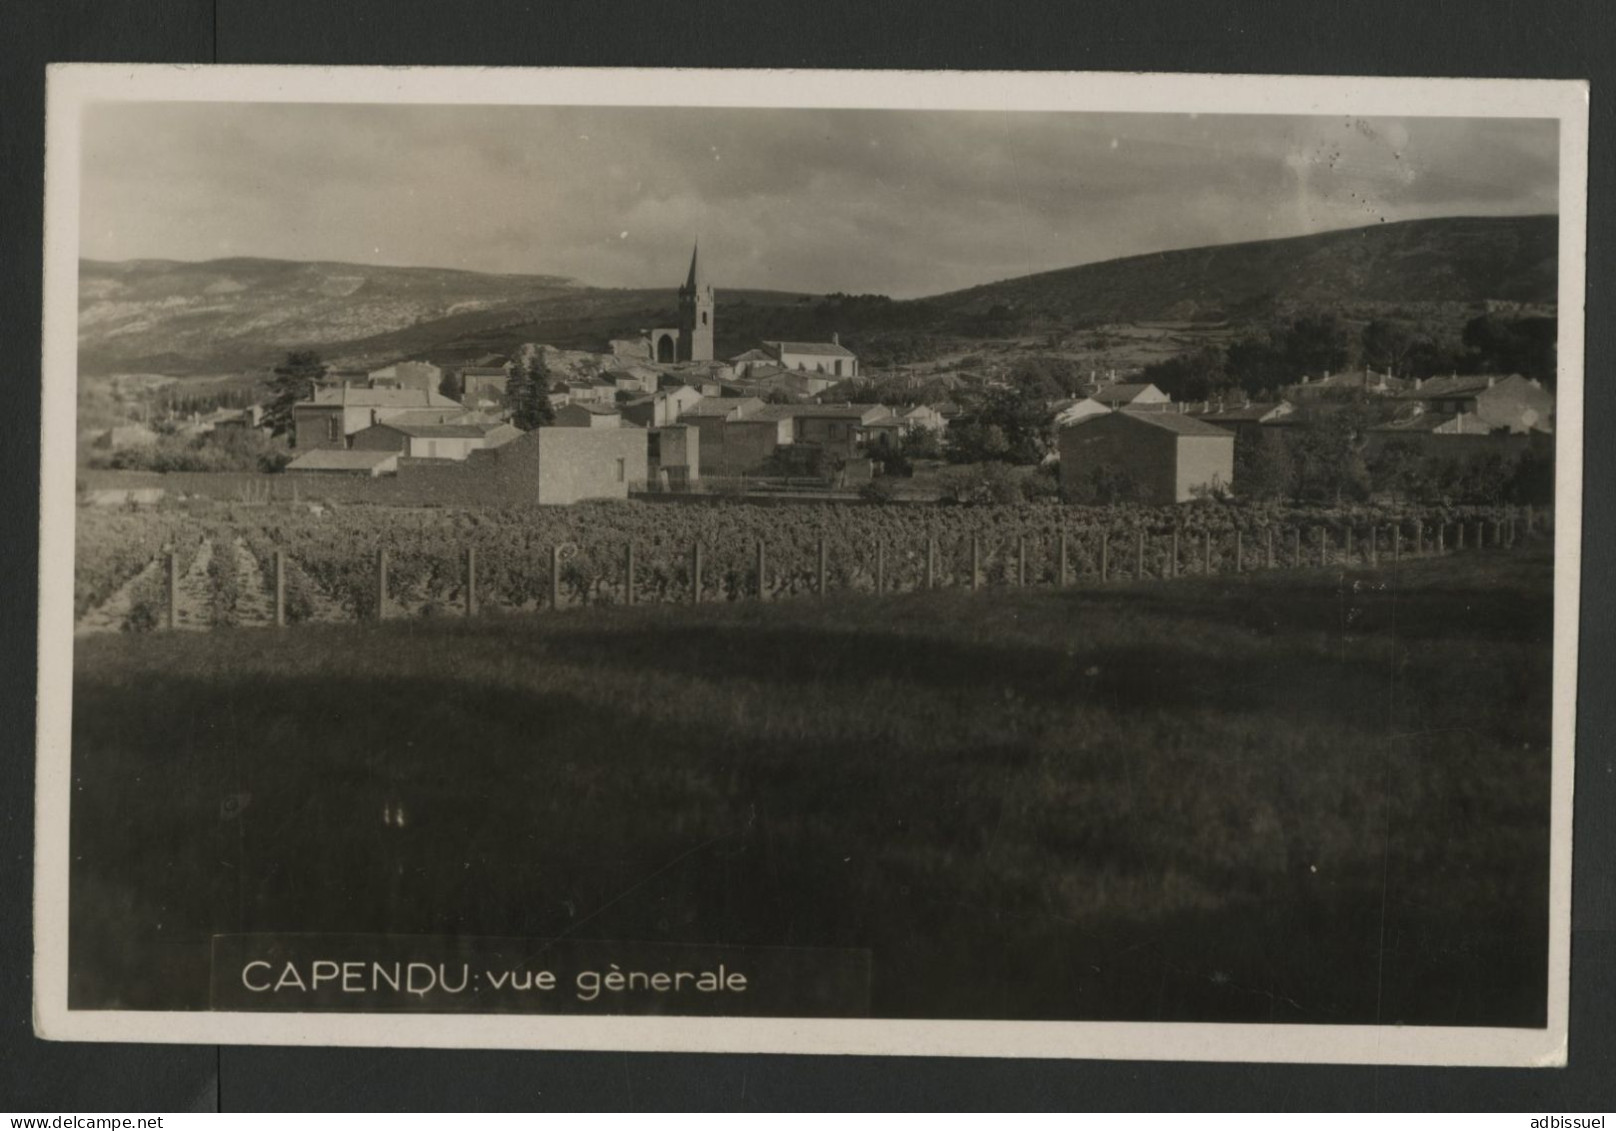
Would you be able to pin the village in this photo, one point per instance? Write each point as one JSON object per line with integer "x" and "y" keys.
{"x": 658, "y": 415}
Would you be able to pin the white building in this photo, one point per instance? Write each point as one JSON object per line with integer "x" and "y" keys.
{"x": 830, "y": 358}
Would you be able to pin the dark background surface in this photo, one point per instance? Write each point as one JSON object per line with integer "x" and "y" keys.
{"x": 1496, "y": 38}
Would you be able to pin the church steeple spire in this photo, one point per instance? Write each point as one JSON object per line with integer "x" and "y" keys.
{"x": 696, "y": 313}
{"x": 695, "y": 281}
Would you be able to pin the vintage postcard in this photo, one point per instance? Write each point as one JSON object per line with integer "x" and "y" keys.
{"x": 1034, "y": 565}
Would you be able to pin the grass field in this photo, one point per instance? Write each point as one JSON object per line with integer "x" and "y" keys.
{"x": 1288, "y": 796}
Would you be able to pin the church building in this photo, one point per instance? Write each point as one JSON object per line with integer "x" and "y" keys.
{"x": 692, "y": 340}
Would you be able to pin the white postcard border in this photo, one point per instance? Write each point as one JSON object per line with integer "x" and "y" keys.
{"x": 73, "y": 86}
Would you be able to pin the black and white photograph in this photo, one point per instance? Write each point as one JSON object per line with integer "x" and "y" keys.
{"x": 995, "y": 564}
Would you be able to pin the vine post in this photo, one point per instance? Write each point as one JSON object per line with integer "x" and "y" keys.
{"x": 1021, "y": 561}
{"x": 1172, "y": 557}
{"x": 762, "y": 574}
{"x": 1296, "y": 547}
{"x": 555, "y": 578}
{"x": 173, "y": 589}
{"x": 471, "y": 581}
{"x": 824, "y": 567}
{"x": 931, "y": 563}
{"x": 1206, "y": 552}
{"x": 880, "y": 567}
{"x": 695, "y": 573}
{"x": 1239, "y": 552}
{"x": 1062, "y": 579}
{"x": 1105, "y": 555}
{"x": 381, "y": 583}
{"x": 1397, "y": 543}
{"x": 1139, "y": 554}
{"x": 1268, "y": 537}
{"x": 628, "y": 573}
{"x": 976, "y": 563}
{"x": 280, "y": 588}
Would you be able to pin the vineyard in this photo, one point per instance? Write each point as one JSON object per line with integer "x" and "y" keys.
{"x": 211, "y": 565}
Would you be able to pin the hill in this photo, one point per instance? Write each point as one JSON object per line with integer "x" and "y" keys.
{"x": 1452, "y": 260}
{"x": 227, "y": 315}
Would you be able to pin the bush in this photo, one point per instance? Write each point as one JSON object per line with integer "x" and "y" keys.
{"x": 983, "y": 483}
{"x": 881, "y": 490}
{"x": 1105, "y": 486}
{"x": 224, "y": 449}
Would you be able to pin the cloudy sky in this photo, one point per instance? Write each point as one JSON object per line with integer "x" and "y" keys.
{"x": 898, "y": 202}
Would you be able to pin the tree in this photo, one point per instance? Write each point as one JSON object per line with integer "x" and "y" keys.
{"x": 1263, "y": 466}
{"x": 1400, "y": 469}
{"x": 1486, "y": 480}
{"x": 1008, "y": 425}
{"x": 1328, "y": 451}
{"x": 1257, "y": 365}
{"x": 527, "y": 393}
{"x": 1314, "y": 343}
{"x": 452, "y": 386}
{"x": 294, "y": 381}
{"x": 1387, "y": 343}
{"x": 1533, "y": 478}
{"x": 1047, "y": 378}
{"x": 1512, "y": 345}
{"x": 1196, "y": 376}
{"x": 976, "y": 441}
{"x": 922, "y": 443}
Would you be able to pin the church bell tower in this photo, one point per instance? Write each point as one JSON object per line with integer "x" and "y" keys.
{"x": 696, "y": 313}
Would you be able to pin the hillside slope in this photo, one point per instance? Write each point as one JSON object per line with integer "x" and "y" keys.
{"x": 224, "y": 314}
{"x": 1451, "y": 260}
{"x": 227, "y": 315}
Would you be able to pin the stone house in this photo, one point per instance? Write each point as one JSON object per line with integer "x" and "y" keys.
{"x": 1514, "y": 403}
{"x": 1343, "y": 384}
{"x": 421, "y": 375}
{"x": 830, "y": 358}
{"x": 1124, "y": 394}
{"x": 673, "y": 455}
{"x": 335, "y": 414}
{"x": 566, "y": 465}
{"x": 453, "y": 441}
{"x": 662, "y": 407}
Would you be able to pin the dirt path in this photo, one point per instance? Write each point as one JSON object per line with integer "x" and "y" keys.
{"x": 255, "y": 605}
{"x": 114, "y": 612}
{"x": 196, "y": 592}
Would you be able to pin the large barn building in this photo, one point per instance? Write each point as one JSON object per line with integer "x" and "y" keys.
{"x": 1164, "y": 457}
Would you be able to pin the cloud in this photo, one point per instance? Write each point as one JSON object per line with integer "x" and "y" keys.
{"x": 899, "y": 202}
